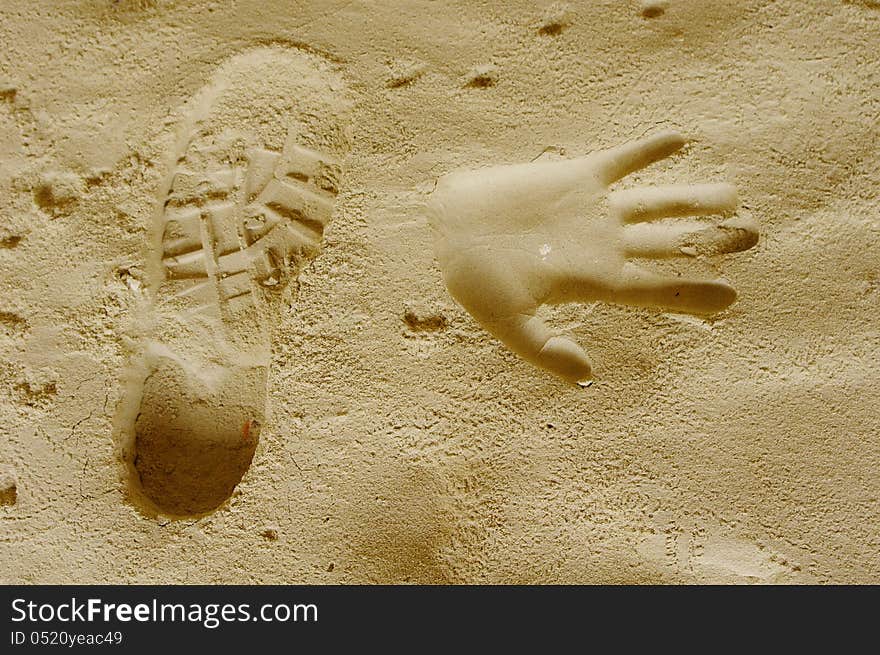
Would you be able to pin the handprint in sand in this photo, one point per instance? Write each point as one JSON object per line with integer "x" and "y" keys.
{"x": 512, "y": 238}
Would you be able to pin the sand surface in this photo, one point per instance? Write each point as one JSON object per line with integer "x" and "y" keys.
{"x": 403, "y": 443}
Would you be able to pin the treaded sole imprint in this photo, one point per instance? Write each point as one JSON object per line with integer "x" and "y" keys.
{"x": 238, "y": 218}
{"x": 216, "y": 247}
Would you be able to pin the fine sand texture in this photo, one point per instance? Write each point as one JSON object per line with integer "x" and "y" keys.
{"x": 302, "y": 292}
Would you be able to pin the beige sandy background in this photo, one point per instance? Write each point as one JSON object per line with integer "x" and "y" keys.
{"x": 403, "y": 444}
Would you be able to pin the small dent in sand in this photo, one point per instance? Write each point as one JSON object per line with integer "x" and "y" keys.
{"x": 8, "y": 489}
{"x": 482, "y": 77}
{"x": 57, "y": 193}
{"x": 653, "y": 8}
{"x": 422, "y": 318}
{"x": 97, "y": 176}
{"x": 132, "y": 277}
{"x": 134, "y": 5}
{"x": 10, "y": 241}
{"x": 868, "y": 4}
{"x": 12, "y": 324}
{"x": 270, "y": 533}
{"x": 404, "y": 73}
{"x": 556, "y": 18}
{"x": 36, "y": 388}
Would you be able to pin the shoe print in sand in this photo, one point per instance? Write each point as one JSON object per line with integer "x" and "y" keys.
{"x": 250, "y": 191}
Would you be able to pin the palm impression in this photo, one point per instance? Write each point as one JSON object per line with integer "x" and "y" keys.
{"x": 512, "y": 238}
